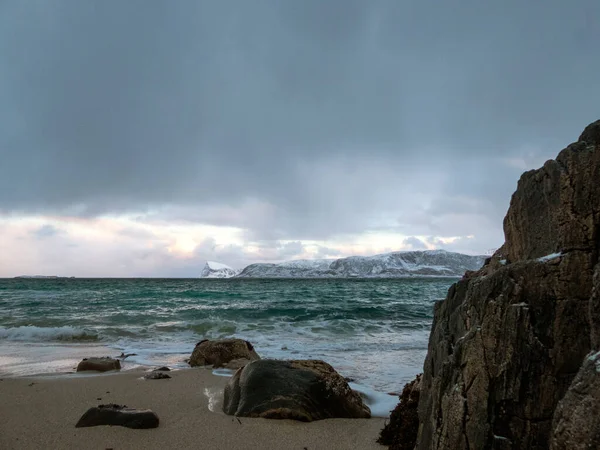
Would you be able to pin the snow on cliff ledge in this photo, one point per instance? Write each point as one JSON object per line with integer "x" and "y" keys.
{"x": 214, "y": 269}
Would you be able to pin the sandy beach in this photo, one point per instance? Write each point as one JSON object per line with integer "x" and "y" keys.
{"x": 41, "y": 412}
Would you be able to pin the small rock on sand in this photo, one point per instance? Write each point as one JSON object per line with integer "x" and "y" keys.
{"x": 99, "y": 364}
{"x": 154, "y": 375}
{"x": 118, "y": 415}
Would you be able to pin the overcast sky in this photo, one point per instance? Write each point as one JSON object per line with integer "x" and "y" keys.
{"x": 140, "y": 138}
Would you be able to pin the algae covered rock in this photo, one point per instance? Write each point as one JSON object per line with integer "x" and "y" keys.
{"x": 304, "y": 390}
{"x": 401, "y": 431}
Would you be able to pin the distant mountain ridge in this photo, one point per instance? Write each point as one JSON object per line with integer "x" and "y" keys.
{"x": 426, "y": 263}
{"x": 41, "y": 276}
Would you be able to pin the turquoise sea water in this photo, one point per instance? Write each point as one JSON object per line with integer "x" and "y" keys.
{"x": 374, "y": 331}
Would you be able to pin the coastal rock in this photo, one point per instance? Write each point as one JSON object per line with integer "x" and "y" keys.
{"x": 508, "y": 340}
{"x": 156, "y": 375}
{"x": 118, "y": 415}
{"x": 219, "y": 353}
{"x": 99, "y": 364}
{"x": 576, "y": 425}
{"x": 304, "y": 390}
{"x": 401, "y": 432}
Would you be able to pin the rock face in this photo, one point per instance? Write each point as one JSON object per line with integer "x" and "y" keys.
{"x": 220, "y": 353}
{"x": 576, "y": 425}
{"x": 509, "y": 339}
{"x": 99, "y": 364}
{"x": 401, "y": 432}
{"x": 118, "y": 415}
{"x": 304, "y": 390}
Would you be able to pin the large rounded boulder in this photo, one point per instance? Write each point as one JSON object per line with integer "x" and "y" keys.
{"x": 304, "y": 390}
{"x": 231, "y": 353}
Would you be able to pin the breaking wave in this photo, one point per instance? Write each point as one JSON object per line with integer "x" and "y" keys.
{"x": 30, "y": 333}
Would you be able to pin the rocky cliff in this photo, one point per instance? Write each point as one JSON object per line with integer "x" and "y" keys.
{"x": 512, "y": 360}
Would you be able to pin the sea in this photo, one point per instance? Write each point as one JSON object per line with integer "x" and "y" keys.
{"x": 373, "y": 331}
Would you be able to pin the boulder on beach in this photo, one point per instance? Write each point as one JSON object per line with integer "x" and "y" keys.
{"x": 304, "y": 390}
{"x": 118, "y": 415}
{"x": 99, "y": 364}
{"x": 156, "y": 375}
{"x": 508, "y": 361}
{"x": 219, "y": 353}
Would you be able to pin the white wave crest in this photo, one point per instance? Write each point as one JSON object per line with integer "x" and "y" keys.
{"x": 30, "y": 333}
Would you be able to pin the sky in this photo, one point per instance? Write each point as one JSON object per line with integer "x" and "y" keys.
{"x": 142, "y": 138}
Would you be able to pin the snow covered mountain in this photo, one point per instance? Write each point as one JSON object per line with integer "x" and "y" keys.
{"x": 301, "y": 268}
{"x": 386, "y": 265}
{"x": 217, "y": 270}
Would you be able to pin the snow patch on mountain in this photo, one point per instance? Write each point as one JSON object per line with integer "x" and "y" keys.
{"x": 311, "y": 264}
{"x": 386, "y": 265}
{"x": 214, "y": 269}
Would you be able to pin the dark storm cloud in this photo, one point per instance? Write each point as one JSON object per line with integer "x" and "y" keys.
{"x": 325, "y": 113}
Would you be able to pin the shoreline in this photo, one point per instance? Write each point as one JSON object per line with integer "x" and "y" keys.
{"x": 31, "y": 360}
{"x": 41, "y": 412}
{"x": 381, "y": 403}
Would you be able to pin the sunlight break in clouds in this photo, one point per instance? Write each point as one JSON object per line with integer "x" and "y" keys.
{"x": 124, "y": 246}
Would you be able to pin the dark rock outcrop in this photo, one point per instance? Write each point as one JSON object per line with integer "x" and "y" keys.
{"x": 219, "y": 353}
{"x": 99, "y": 364}
{"x": 509, "y": 339}
{"x": 118, "y": 415}
{"x": 304, "y": 390}
{"x": 401, "y": 432}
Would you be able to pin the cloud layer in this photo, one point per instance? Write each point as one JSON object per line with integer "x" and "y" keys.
{"x": 290, "y": 121}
